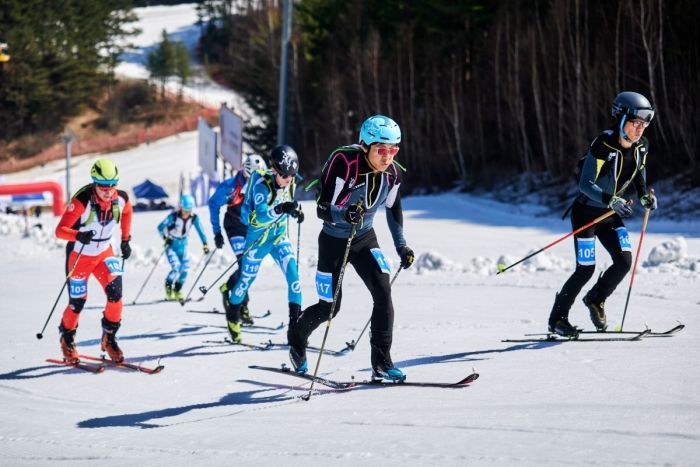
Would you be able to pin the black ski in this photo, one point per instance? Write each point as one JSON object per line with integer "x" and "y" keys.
{"x": 279, "y": 327}
{"x": 216, "y": 311}
{"x": 334, "y": 353}
{"x": 123, "y": 364}
{"x": 582, "y": 337}
{"x": 651, "y": 333}
{"x": 227, "y": 341}
{"x": 346, "y": 385}
{"x": 96, "y": 369}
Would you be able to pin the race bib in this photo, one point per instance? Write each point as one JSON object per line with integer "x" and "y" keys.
{"x": 381, "y": 260}
{"x": 77, "y": 288}
{"x": 114, "y": 265}
{"x": 324, "y": 286}
{"x": 624, "y": 238}
{"x": 238, "y": 245}
{"x": 585, "y": 251}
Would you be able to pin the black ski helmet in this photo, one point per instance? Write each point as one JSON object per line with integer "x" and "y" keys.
{"x": 284, "y": 160}
{"x": 632, "y": 105}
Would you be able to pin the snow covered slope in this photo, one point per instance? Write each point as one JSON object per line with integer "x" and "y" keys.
{"x": 607, "y": 403}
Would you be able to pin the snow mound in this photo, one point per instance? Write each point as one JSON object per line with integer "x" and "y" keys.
{"x": 669, "y": 251}
{"x": 432, "y": 261}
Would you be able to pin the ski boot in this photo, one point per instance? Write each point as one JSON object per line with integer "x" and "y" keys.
{"x": 597, "y": 311}
{"x": 388, "y": 373}
{"x": 246, "y": 319}
{"x": 297, "y": 346}
{"x": 70, "y": 351}
{"x": 224, "y": 295}
{"x": 234, "y": 330}
{"x": 169, "y": 292}
{"x": 109, "y": 340}
{"x": 297, "y": 355}
{"x": 564, "y": 328}
{"x": 177, "y": 292}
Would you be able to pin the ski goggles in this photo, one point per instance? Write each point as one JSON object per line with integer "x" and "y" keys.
{"x": 388, "y": 151}
{"x": 645, "y": 114}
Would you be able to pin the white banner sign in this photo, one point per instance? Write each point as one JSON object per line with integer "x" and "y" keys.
{"x": 231, "y": 137}
{"x": 207, "y": 148}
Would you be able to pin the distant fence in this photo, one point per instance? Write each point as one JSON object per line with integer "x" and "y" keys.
{"x": 110, "y": 143}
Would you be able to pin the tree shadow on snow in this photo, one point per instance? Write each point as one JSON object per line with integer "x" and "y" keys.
{"x": 191, "y": 330}
{"x": 147, "y": 419}
{"x": 472, "y": 356}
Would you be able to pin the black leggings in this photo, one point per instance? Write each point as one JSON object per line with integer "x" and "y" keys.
{"x": 330, "y": 252}
{"x": 611, "y": 233}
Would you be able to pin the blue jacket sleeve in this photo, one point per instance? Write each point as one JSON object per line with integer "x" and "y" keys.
{"x": 218, "y": 199}
{"x": 163, "y": 226}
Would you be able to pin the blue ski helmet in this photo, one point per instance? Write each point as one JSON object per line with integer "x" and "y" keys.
{"x": 187, "y": 203}
{"x": 380, "y": 129}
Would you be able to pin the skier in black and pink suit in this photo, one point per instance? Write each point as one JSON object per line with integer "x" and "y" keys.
{"x": 354, "y": 183}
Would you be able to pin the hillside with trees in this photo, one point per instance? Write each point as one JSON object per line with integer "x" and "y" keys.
{"x": 482, "y": 89}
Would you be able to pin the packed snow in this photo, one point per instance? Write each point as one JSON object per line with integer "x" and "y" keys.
{"x": 594, "y": 403}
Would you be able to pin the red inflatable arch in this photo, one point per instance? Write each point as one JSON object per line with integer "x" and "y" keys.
{"x": 37, "y": 187}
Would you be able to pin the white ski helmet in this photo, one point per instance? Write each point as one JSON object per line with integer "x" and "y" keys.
{"x": 251, "y": 163}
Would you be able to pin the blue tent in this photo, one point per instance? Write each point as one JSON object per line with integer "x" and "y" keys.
{"x": 149, "y": 190}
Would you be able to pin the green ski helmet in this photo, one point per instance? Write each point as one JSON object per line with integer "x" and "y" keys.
{"x": 104, "y": 172}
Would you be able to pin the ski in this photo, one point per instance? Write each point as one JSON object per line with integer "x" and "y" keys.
{"x": 123, "y": 364}
{"x": 651, "y": 333}
{"x": 150, "y": 302}
{"x": 335, "y": 353}
{"x": 96, "y": 369}
{"x": 279, "y": 327}
{"x": 581, "y": 337}
{"x": 216, "y": 311}
{"x": 227, "y": 341}
{"x": 346, "y": 385}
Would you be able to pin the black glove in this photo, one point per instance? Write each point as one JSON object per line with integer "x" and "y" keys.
{"x": 205, "y": 247}
{"x": 299, "y": 215}
{"x": 288, "y": 207}
{"x": 126, "y": 249}
{"x": 218, "y": 240}
{"x": 354, "y": 213}
{"x": 85, "y": 236}
{"x": 407, "y": 256}
{"x": 649, "y": 201}
{"x": 620, "y": 206}
{"x": 168, "y": 241}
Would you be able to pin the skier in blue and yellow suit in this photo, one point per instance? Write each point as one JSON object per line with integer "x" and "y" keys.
{"x": 174, "y": 229}
{"x": 268, "y": 199}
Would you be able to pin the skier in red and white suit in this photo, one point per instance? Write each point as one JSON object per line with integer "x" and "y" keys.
{"x": 88, "y": 224}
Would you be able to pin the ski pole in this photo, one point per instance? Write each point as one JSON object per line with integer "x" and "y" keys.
{"x": 204, "y": 290}
{"x": 351, "y": 345}
{"x": 149, "y": 275}
{"x": 634, "y": 267}
{"x": 502, "y": 267}
{"x": 204, "y": 268}
{"x": 298, "y": 241}
{"x": 40, "y": 335}
{"x": 335, "y": 301}
{"x": 199, "y": 263}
